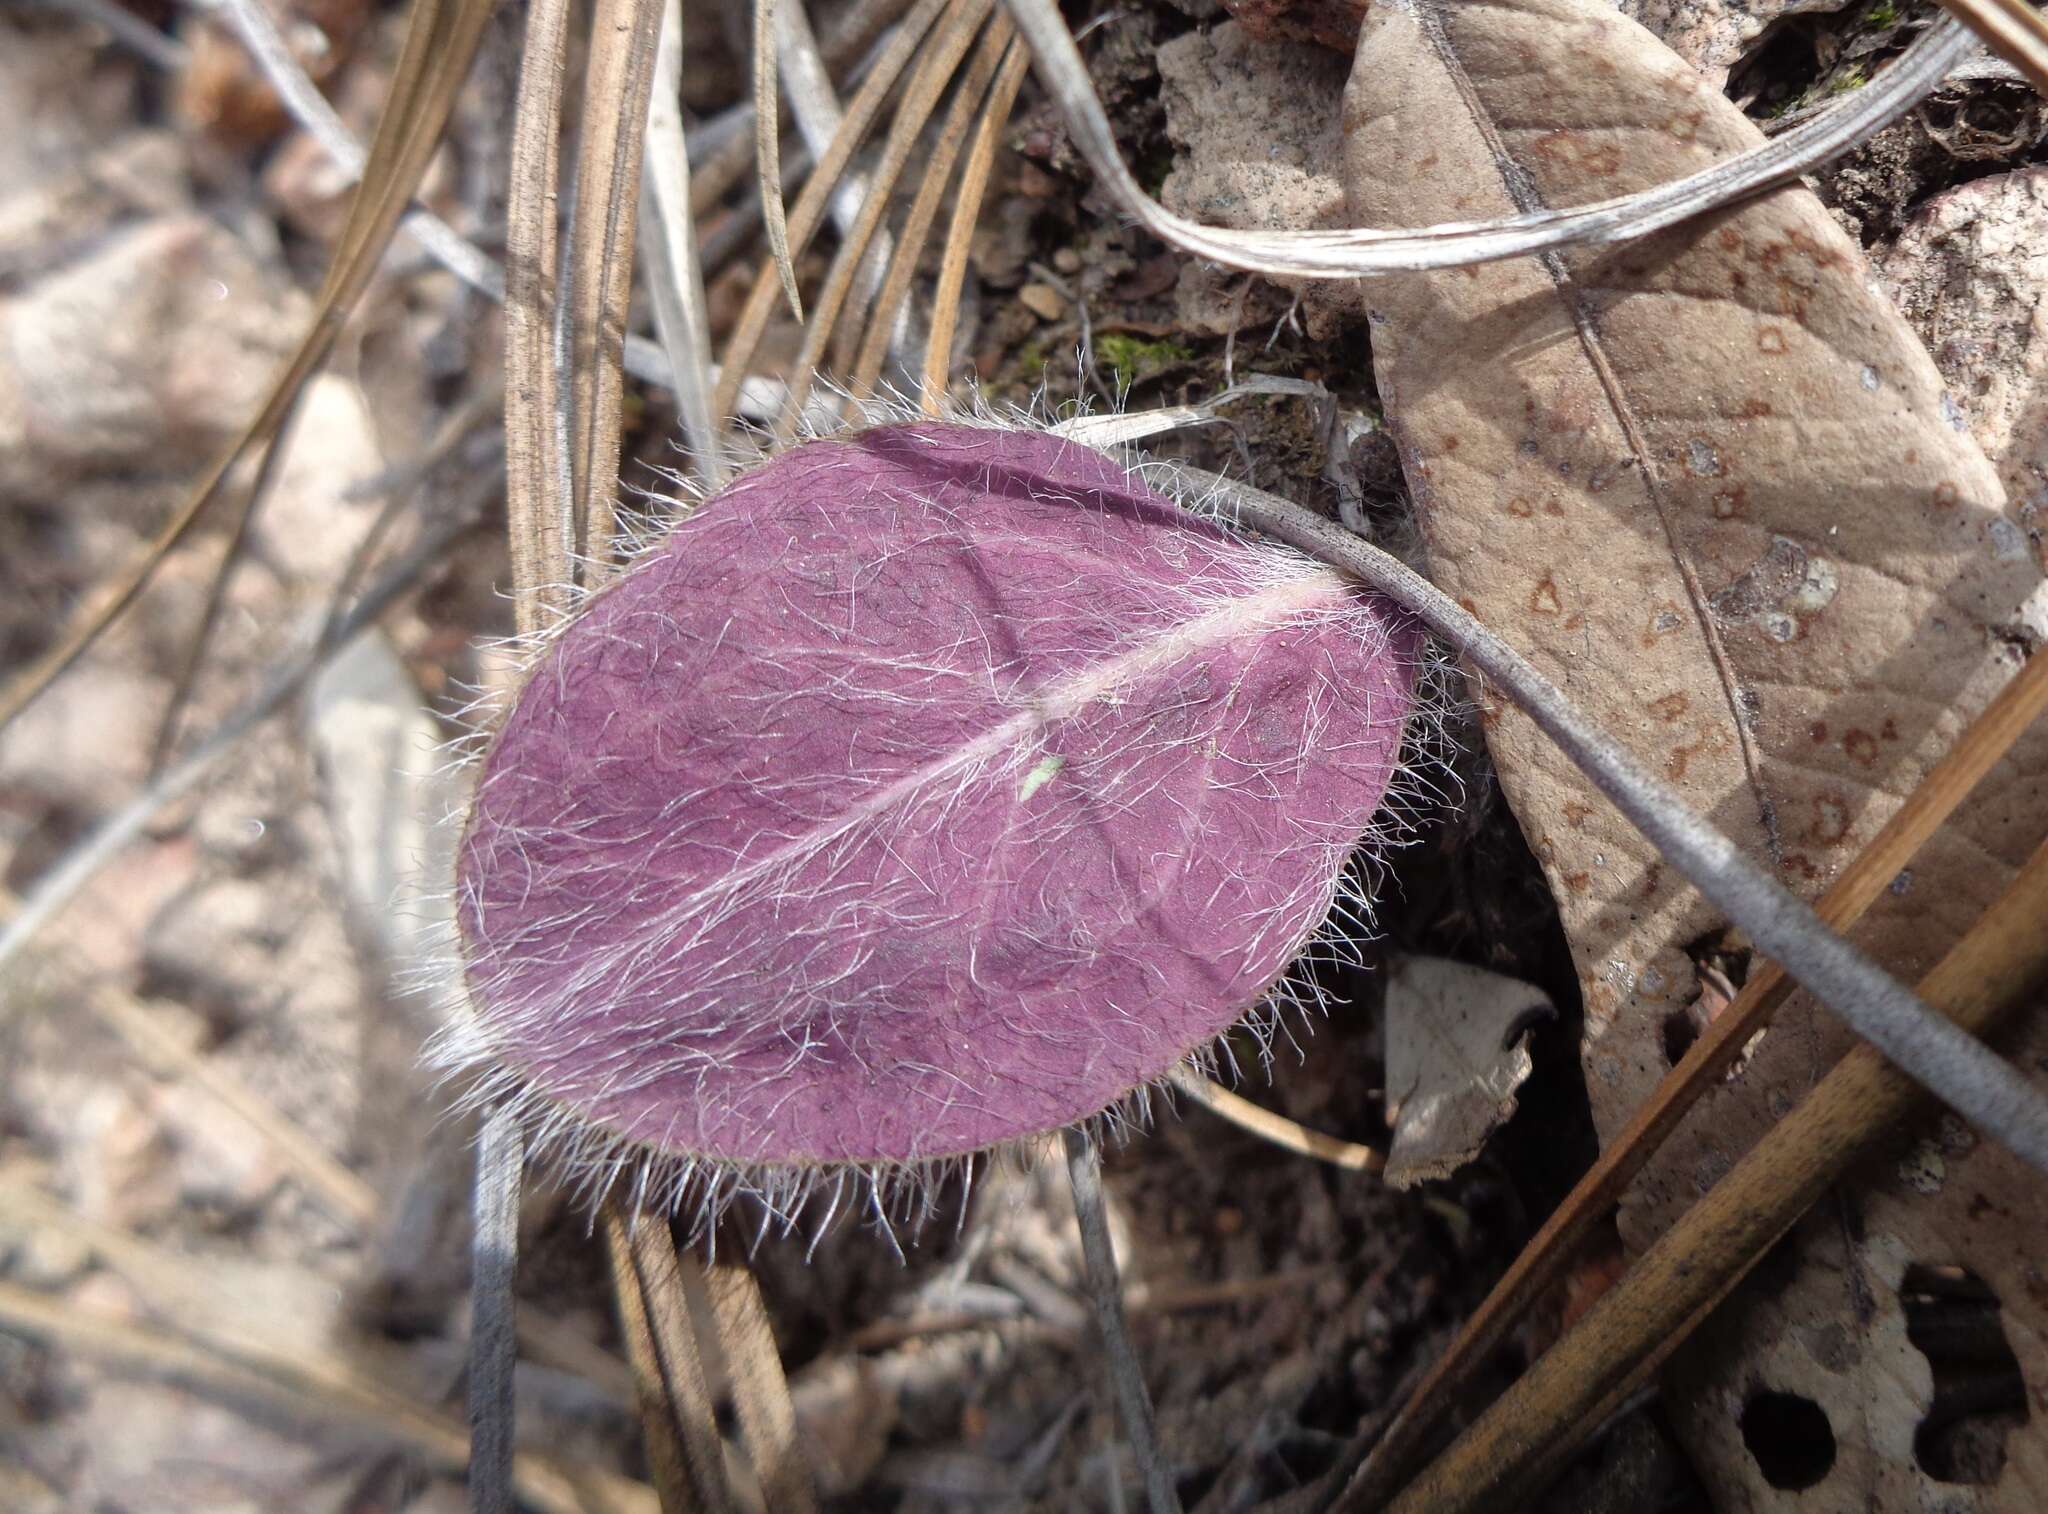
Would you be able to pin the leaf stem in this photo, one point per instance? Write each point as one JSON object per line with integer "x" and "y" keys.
{"x": 493, "y": 1340}
{"x": 1105, "y": 1294}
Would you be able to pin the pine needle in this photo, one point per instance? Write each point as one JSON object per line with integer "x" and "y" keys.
{"x": 971, "y": 102}
{"x": 938, "y": 352}
{"x": 1277, "y": 1128}
{"x": 809, "y": 210}
{"x": 768, "y": 151}
{"x": 759, "y": 1389}
{"x": 920, "y": 98}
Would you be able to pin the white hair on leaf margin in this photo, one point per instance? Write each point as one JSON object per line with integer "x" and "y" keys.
{"x": 700, "y": 1190}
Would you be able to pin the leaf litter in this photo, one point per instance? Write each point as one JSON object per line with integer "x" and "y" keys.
{"x": 1270, "y": 1328}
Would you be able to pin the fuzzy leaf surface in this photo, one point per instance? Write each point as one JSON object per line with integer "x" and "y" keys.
{"x": 924, "y": 791}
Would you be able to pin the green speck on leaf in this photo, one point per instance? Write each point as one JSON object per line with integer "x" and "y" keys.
{"x": 1039, "y": 776}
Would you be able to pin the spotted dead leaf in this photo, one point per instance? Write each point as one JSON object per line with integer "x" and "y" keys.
{"x": 1712, "y": 484}
{"x": 1712, "y": 35}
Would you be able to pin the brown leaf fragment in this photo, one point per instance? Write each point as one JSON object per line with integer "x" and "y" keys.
{"x": 1712, "y": 484}
{"x": 1457, "y": 1049}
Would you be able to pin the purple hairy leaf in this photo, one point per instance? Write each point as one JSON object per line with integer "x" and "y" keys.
{"x": 928, "y": 790}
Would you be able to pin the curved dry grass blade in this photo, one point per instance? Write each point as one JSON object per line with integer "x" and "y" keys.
{"x": 920, "y": 98}
{"x": 440, "y": 43}
{"x": 968, "y": 106}
{"x": 493, "y": 1336}
{"x": 2014, "y": 30}
{"x": 768, "y": 151}
{"x": 616, "y": 85}
{"x": 938, "y": 351}
{"x": 725, "y": 164}
{"x": 536, "y": 472}
{"x": 1979, "y": 1084}
{"x": 810, "y": 204}
{"x": 1276, "y": 1128}
{"x": 318, "y": 1388}
{"x": 760, "y": 1391}
{"x": 1105, "y": 1297}
{"x": 1544, "y": 1259}
{"x": 1673, "y": 1286}
{"x": 815, "y": 105}
{"x": 1352, "y": 253}
{"x": 675, "y": 277}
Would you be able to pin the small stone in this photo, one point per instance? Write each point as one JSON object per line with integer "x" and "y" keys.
{"x": 1043, "y": 301}
{"x": 1066, "y": 260}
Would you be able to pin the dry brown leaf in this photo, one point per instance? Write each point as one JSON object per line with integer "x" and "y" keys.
{"x": 1710, "y": 483}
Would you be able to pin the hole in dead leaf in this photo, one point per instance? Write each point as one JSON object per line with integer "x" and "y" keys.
{"x": 1952, "y": 1317}
{"x": 1679, "y": 1034}
{"x": 1790, "y": 1437}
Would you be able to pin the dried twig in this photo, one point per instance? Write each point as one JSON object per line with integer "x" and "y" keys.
{"x": 1549, "y": 1253}
{"x": 1672, "y": 1287}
